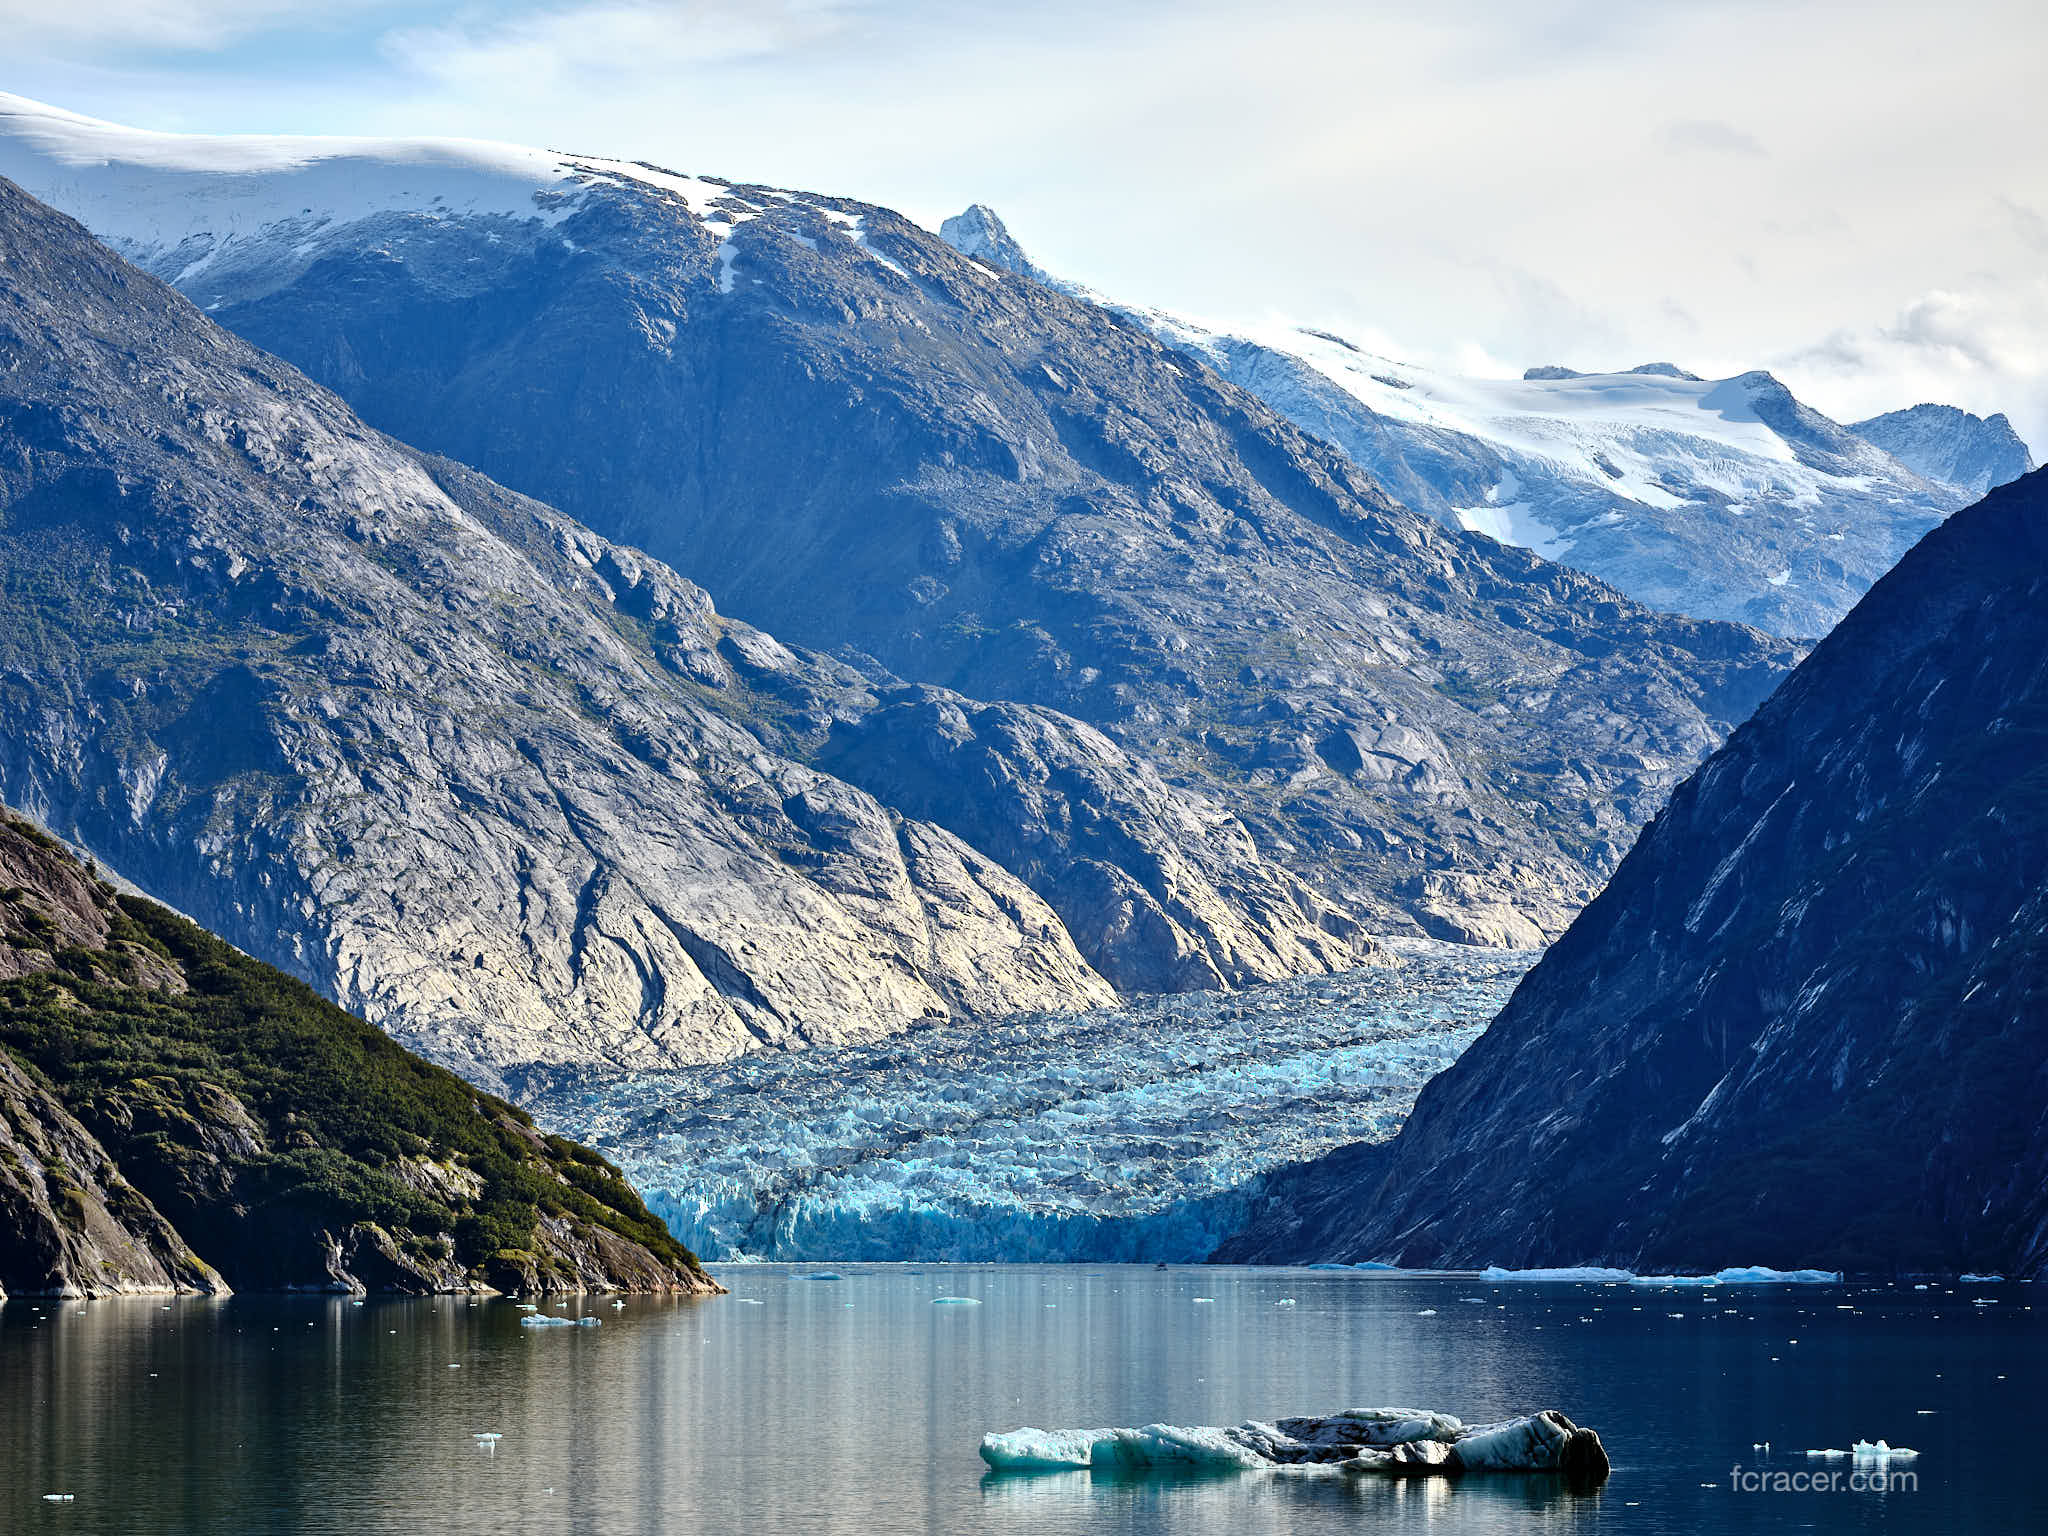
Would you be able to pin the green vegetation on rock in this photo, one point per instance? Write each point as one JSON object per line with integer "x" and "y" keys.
{"x": 290, "y": 1143}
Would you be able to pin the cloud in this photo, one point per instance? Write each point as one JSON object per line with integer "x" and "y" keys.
{"x": 634, "y": 41}
{"x": 1984, "y": 350}
{"x": 127, "y": 26}
{"x": 2026, "y": 222}
{"x": 1709, "y": 136}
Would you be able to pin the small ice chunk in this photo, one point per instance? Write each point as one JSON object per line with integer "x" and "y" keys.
{"x": 1975, "y": 1279}
{"x": 956, "y": 1301}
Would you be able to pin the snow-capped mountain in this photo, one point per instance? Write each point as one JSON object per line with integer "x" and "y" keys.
{"x": 1975, "y": 454}
{"x": 856, "y": 437}
{"x": 1721, "y": 498}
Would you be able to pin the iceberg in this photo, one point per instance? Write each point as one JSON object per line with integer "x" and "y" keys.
{"x": 1131, "y": 1134}
{"x": 1867, "y": 1450}
{"x": 1393, "y": 1442}
{"x": 1752, "y": 1275}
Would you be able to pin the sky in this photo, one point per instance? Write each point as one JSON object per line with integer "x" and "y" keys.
{"x": 1854, "y": 195}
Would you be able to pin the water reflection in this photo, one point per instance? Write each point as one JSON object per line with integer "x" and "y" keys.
{"x": 1277, "y": 1502}
{"x": 857, "y": 1407}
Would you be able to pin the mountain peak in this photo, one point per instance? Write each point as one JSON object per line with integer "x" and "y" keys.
{"x": 980, "y": 234}
{"x": 1545, "y": 371}
{"x": 1947, "y": 444}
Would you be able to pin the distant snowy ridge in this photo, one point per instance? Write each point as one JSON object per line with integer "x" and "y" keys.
{"x": 1975, "y": 454}
{"x": 191, "y": 205}
{"x": 1720, "y": 498}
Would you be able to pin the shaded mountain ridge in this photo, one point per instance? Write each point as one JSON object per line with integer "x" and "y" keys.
{"x": 1806, "y": 1024}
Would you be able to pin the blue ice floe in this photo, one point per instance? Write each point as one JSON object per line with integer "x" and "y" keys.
{"x": 1752, "y": 1275}
{"x": 1396, "y": 1442}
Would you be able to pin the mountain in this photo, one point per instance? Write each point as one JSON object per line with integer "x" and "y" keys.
{"x": 1807, "y": 1021}
{"x": 1720, "y": 498}
{"x": 177, "y": 1116}
{"x": 516, "y": 793}
{"x": 861, "y": 440}
{"x": 1975, "y": 454}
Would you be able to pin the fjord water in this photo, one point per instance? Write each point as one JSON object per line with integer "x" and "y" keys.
{"x": 811, "y": 1405}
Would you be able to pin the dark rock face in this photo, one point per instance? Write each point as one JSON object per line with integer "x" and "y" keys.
{"x": 70, "y": 1223}
{"x": 1973, "y": 453}
{"x": 854, "y": 435}
{"x": 1807, "y": 1021}
{"x": 175, "y": 1116}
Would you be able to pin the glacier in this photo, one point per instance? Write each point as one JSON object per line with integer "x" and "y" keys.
{"x": 1128, "y": 1134}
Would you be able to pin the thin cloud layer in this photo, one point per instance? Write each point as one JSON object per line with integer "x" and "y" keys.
{"x": 1725, "y": 184}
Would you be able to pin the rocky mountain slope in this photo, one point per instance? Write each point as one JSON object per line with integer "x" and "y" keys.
{"x": 177, "y": 1116}
{"x": 868, "y": 439}
{"x": 1720, "y": 498}
{"x": 1975, "y": 454}
{"x": 1807, "y": 1021}
{"x": 514, "y": 792}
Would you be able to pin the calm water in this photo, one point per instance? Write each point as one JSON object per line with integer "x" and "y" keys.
{"x": 857, "y": 1405}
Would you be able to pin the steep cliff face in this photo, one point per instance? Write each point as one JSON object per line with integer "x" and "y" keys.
{"x": 177, "y": 1116}
{"x": 518, "y": 793}
{"x": 868, "y": 439}
{"x": 1807, "y": 1021}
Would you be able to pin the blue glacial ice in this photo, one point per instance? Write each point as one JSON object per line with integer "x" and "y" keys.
{"x": 1400, "y": 1442}
{"x": 1748, "y": 1275}
{"x": 1129, "y": 1134}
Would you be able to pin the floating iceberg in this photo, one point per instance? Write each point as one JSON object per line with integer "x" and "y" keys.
{"x": 1975, "y": 1279}
{"x": 1394, "y": 1442}
{"x": 1752, "y": 1275}
{"x": 1371, "y": 1266}
{"x": 956, "y": 1301}
{"x": 1120, "y": 1135}
{"x": 1868, "y": 1450}
{"x": 541, "y": 1320}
